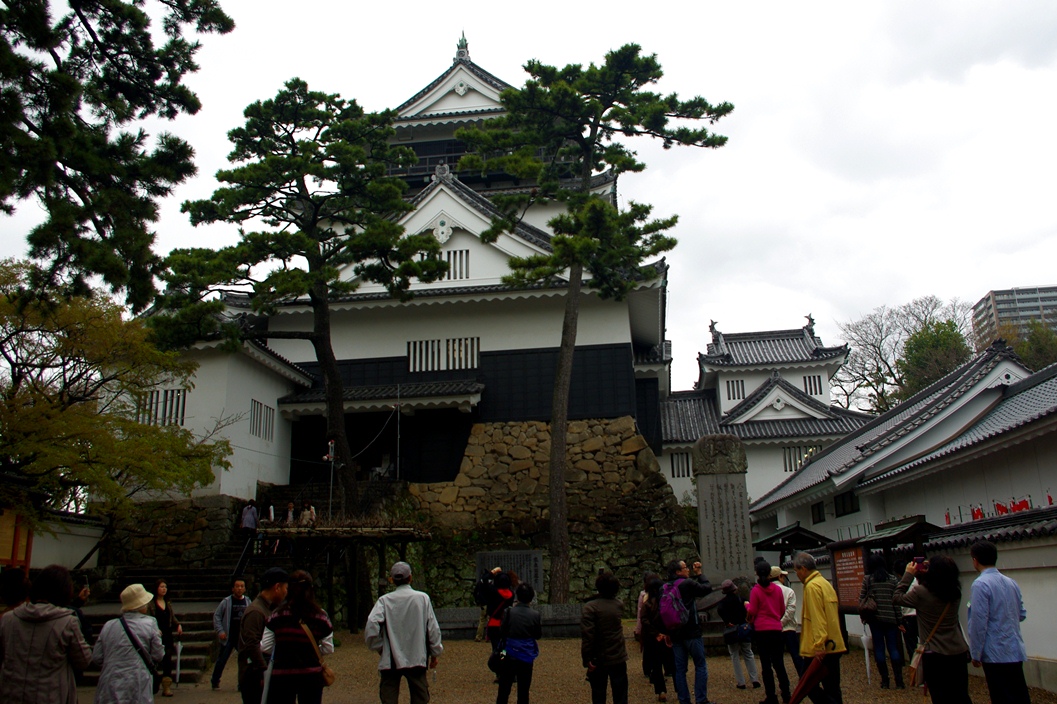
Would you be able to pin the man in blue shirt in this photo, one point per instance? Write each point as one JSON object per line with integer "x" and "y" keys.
{"x": 995, "y": 612}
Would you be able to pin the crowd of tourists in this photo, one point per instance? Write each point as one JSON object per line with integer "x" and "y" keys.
{"x": 282, "y": 635}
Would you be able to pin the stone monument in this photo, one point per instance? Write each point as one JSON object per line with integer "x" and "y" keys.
{"x": 724, "y": 535}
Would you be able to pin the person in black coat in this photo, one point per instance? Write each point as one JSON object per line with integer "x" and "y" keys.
{"x": 520, "y": 630}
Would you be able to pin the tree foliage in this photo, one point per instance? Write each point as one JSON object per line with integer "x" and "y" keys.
{"x": 929, "y": 354}
{"x": 561, "y": 131}
{"x": 73, "y": 89}
{"x": 73, "y": 377}
{"x": 311, "y": 193}
{"x": 1036, "y": 347}
{"x": 872, "y": 378}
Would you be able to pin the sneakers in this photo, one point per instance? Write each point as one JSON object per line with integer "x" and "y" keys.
{"x": 740, "y": 686}
{"x": 216, "y": 685}
{"x": 755, "y": 685}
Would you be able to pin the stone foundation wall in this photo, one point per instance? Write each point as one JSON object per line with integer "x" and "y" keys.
{"x": 186, "y": 533}
{"x": 623, "y": 515}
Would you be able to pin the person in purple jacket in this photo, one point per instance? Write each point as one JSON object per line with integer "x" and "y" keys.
{"x": 766, "y": 609}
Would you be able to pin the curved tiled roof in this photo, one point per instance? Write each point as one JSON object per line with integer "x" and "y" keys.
{"x": 497, "y": 83}
{"x": 1022, "y": 403}
{"x": 686, "y": 416}
{"x": 769, "y": 347}
{"x": 886, "y": 428}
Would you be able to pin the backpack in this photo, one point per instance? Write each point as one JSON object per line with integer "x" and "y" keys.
{"x": 674, "y": 613}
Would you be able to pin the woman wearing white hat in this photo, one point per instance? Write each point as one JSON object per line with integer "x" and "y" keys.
{"x": 129, "y": 649}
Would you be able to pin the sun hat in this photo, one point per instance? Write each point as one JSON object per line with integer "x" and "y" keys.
{"x": 728, "y": 587}
{"x": 777, "y": 572}
{"x": 134, "y": 597}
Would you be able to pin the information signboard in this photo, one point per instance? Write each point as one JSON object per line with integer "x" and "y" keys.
{"x": 528, "y": 564}
{"x": 849, "y": 568}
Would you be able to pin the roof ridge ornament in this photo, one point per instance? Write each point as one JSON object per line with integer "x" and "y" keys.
{"x": 462, "y": 49}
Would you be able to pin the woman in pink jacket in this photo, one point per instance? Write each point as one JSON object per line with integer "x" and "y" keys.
{"x": 766, "y": 608}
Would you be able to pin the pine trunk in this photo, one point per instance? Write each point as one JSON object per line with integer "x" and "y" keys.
{"x": 559, "y": 514}
{"x": 346, "y": 493}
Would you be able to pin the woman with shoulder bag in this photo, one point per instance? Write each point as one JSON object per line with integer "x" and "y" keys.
{"x": 731, "y": 610}
{"x": 297, "y": 635}
{"x": 937, "y": 598}
{"x": 884, "y": 626}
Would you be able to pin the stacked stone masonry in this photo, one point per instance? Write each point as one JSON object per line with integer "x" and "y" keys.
{"x": 623, "y": 515}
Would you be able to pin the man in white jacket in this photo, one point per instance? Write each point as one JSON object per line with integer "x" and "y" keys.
{"x": 789, "y": 624}
{"x": 403, "y": 629}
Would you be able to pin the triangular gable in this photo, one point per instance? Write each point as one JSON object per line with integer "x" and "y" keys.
{"x": 778, "y": 403}
{"x": 464, "y": 89}
{"x": 777, "y": 399}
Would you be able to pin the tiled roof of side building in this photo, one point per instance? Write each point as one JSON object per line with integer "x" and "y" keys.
{"x": 1024, "y": 402}
{"x": 775, "y": 381}
{"x": 842, "y": 456}
{"x": 768, "y": 347}
{"x": 686, "y": 416}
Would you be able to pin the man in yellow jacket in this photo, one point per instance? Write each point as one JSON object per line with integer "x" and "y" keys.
{"x": 820, "y": 629}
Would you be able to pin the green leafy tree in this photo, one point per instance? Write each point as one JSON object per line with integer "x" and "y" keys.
{"x": 1036, "y": 347}
{"x": 929, "y": 354}
{"x": 73, "y": 376}
{"x": 74, "y": 89}
{"x": 562, "y": 131}
{"x": 313, "y": 200}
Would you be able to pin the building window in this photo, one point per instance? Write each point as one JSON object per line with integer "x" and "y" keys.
{"x": 681, "y": 465}
{"x": 818, "y": 512}
{"x": 735, "y": 389}
{"x": 262, "y": 420}
{"x": 163, "y": 407}
{"x": 442, "y": 355}
{"x": 458, "y": 264}
{"x": 846, "y": 503}
{"x": 793, "y": 456}
{"x": 813, "y": 385}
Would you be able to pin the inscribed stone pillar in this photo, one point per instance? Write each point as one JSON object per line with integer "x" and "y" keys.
{"x": 724, "y": 536}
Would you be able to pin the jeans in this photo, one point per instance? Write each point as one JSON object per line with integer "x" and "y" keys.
{"x": 222, "y": 659}
{"x": 616, "y": 676}
{"x": 683, "y": 650}
{"x": 792, "y": 646}
{"x": 885, "y": 637}
{"x": 658, "y": 658}
{"x": 743, "y": 651}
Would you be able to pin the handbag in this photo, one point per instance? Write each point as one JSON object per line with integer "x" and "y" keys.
{"x": 917, "y": 670}
{"x": 142, "y": 652}
{"x": 498, "y": 660}
{"x": 868, "y": 607}
{"x": 745, "y": 632}
{"x": 328, "y": 672}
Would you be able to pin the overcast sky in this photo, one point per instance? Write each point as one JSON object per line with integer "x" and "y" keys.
{"x": 878, "y": 151}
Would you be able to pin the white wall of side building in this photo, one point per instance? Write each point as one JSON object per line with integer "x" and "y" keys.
{"x": 225, "y": 385}
{"x": 66, "y": 544}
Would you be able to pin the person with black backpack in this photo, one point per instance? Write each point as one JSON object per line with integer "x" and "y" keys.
{"x": 679, "y": 613}
{"x": 481, "y": 589}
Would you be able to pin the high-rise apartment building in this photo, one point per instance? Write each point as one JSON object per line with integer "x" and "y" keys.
{"x": 1014, "y": 306}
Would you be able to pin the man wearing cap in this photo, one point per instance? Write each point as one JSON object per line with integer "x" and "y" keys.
{"x": 251, "y": 660}
{"x": 403, "y": 629}
{"x": 128, "y": 650}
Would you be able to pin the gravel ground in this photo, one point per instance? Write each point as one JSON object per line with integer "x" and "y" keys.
{"x": 463, "y": 678}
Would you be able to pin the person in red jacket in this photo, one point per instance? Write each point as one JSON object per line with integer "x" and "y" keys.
{"x": 766, "y": 608}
